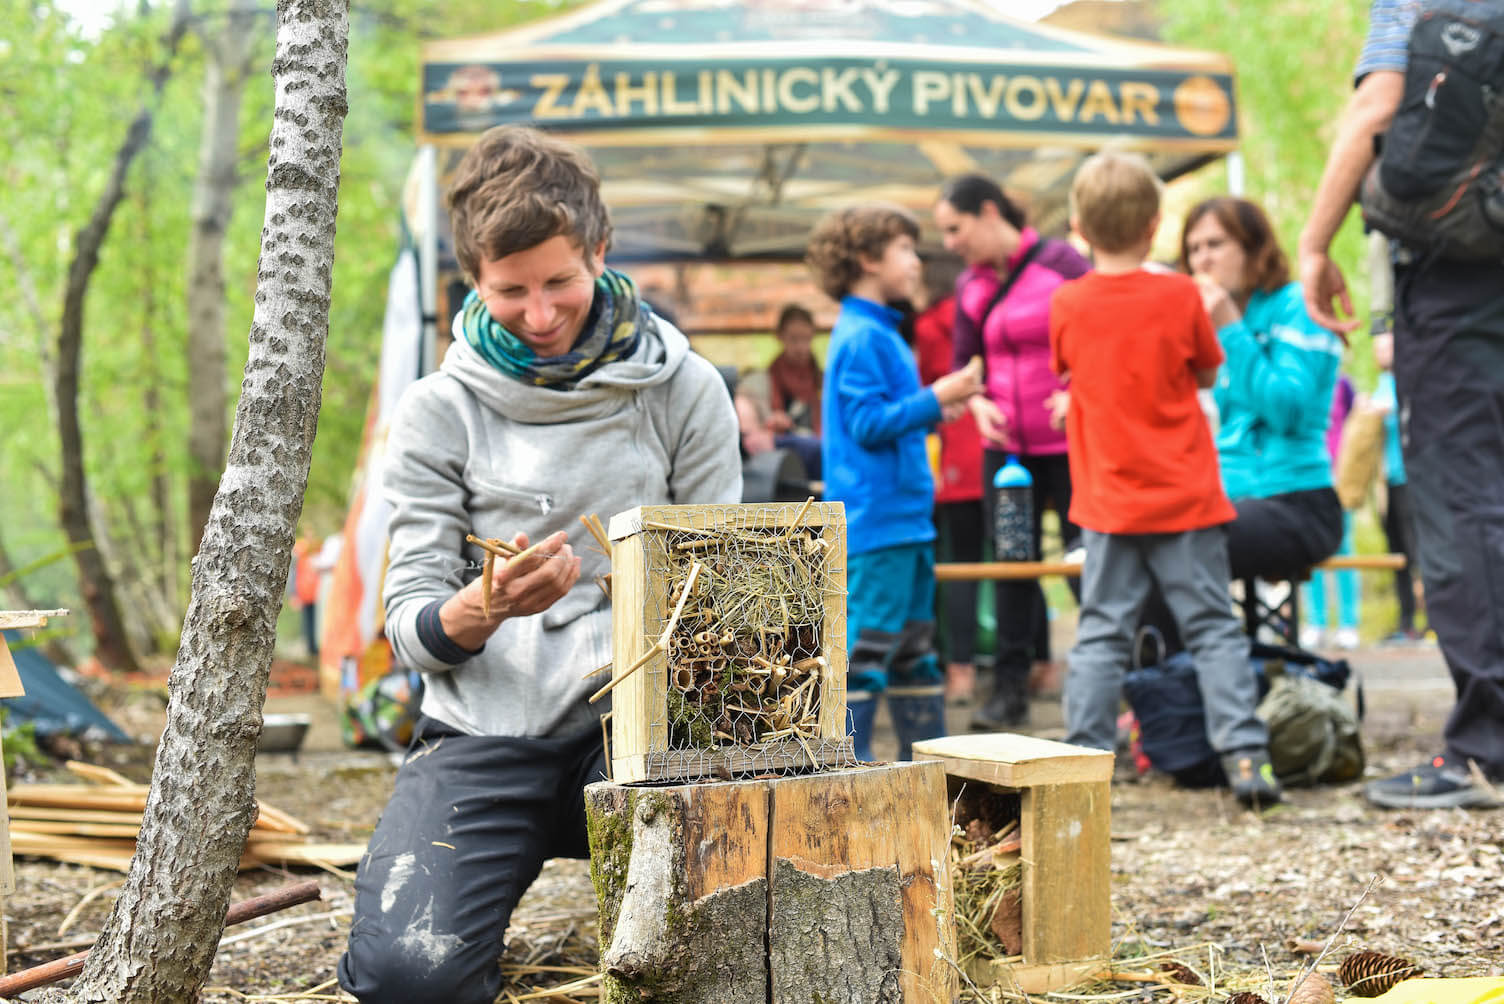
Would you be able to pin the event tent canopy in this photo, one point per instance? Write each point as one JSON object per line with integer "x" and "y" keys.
{"x": 723, "y": 128}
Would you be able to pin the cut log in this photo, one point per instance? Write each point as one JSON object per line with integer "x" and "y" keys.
{"x": 751, "y": 891}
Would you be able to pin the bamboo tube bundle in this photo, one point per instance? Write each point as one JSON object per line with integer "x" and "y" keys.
{"x": 743, "y": 617}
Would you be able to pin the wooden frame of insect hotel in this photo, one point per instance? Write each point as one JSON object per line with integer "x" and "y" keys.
{"x": 729, "y": 640}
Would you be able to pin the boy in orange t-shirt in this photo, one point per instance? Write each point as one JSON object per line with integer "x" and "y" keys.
{"x": 1136, "y": 345}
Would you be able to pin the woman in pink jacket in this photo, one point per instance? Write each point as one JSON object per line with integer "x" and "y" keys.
{"x": 1003, "y": 315}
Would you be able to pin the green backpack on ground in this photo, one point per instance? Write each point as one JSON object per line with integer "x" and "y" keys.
{"x": 1313, "y": 732}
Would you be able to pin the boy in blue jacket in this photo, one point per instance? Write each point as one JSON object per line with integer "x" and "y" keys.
{"x": 874, "y": 416}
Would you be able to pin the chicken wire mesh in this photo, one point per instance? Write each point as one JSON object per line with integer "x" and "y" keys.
{"x": 754, "y": 666}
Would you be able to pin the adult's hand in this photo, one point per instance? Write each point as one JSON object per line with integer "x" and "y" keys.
{"x": 990, "y": 420}
{"x": 1321, "y": 281}
{"x": 963, "y": 384}
{"x": 525, "y": 585}
{"x": 1218, "y": 304}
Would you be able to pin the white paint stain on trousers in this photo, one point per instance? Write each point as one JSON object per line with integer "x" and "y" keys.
{"x": 402, "y": 870}
{"x": 421, "y": 942}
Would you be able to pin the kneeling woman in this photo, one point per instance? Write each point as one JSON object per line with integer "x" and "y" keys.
{"x": 562, "y": 395}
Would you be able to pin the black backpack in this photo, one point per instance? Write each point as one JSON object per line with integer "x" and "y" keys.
{"x": 1438, "y": 183}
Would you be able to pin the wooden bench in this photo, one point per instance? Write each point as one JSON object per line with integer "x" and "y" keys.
{"x": 1282, "y": 617}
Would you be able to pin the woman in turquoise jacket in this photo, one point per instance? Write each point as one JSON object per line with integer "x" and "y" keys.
{"x": 1272, "y": 393}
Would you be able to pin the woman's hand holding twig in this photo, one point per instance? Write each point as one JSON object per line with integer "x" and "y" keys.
{"x": 528, "y": 583}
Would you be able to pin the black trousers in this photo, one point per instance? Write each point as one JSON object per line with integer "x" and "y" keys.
{"x": 470, "y": 823}
{"x": 1399, "y": 532}
{"x": 1273, "y": 538}
{"x": 958, "y": 528}
{"x": 1282, "y": 536}
{"x": 1023, "y": 625}
{"x": 1449, "y": 374}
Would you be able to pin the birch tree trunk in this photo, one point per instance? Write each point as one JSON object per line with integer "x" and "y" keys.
{"x": 227, "y": 63}
{"x": 160, "y": 939}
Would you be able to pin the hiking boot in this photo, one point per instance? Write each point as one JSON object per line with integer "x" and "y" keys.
{"x": 1436, "y": 784}
{"x": 1250, "y": 775}
{"x": 1007, "y": 708}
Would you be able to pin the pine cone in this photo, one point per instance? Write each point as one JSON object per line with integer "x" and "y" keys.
{"x": 1368, "y": 974}
{"x": 1244, "y": 997}
{"x": 1181, "y": 973}
{"x": 1313, "y": 989}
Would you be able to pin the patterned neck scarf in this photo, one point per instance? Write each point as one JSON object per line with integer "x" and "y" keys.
{"x": 612, "y": 331}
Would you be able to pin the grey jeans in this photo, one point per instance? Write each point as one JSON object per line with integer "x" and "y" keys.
{"x": 1191, "y": 570}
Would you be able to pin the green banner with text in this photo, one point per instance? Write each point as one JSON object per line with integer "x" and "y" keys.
{"x": 876, "y": 94}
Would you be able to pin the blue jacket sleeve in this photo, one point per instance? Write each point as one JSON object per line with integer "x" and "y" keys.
{"x": 874, "y": 414}
{"x": 1278, "y": 377}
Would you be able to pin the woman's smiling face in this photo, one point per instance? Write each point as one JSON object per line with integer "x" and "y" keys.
{"x": 543, "y": 294}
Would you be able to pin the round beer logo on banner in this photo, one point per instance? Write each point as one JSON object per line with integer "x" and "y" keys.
{"x": 1202, "y": 106}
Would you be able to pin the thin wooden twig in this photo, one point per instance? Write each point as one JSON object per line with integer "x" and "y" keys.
{"x": 278, "y": 925}
{"x": 593, "y": 524}
{"x": 642, "y": 660}
{"x": 62, "y": 969}
{"x": 661, "y": 645}
{"x": 88, "y": 898}
{"x": 497, "y": 546}
{"x": 488, "y": 569}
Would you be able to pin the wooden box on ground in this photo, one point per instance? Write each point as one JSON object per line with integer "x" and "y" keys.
{"x": 729, "y": 640}
{"x": 823, "y": 887}
{"x": 1065, "y": 826}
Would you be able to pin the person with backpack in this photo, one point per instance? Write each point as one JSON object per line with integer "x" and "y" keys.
{"x": 1003, "y": 315}
{"x": 1425, "y": 89}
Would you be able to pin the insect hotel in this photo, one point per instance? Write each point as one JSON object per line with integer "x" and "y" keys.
{"x": 738, "y": 836}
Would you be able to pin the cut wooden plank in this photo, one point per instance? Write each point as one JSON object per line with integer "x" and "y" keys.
{"x": 293, "y": 853}
{"x": 1016, "y": 761}
{"x": 7, "y": 868}
{"x": 971, "y": 571}
{"x": 77, "y": 829}
{"x": 10, "y": 677}
{"x": 1066, "y": 839}
{"x": 274, "y": 818}
{"x": 77, "y": 796}
{"x": 27, "y": 618}
{"x": 74, "y": 815}
{"x": 33, "y": 843}
{"x": 99, "y": 774}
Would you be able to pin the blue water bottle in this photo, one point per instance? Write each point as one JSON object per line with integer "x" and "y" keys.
{"x": 1013, "y": 518}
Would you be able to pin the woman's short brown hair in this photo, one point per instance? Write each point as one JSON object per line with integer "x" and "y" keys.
{"x": 1267, "y": 268}
{"x": 516, "y": 188}
{"x": 843, "y": 238}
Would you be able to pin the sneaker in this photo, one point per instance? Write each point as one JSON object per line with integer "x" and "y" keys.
{"x": 1435, "y": 784}
{"x": 1310, "y": 637}
{"x": 1251, "y": 777}
{"x": 1346, "y": 638}
{"x": 1400, "y": 637}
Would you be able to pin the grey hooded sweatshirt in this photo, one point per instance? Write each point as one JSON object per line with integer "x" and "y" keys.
{"x": 471, "y": 450}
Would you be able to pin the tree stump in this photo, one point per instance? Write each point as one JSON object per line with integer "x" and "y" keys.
{"x": 824, "y": 887}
